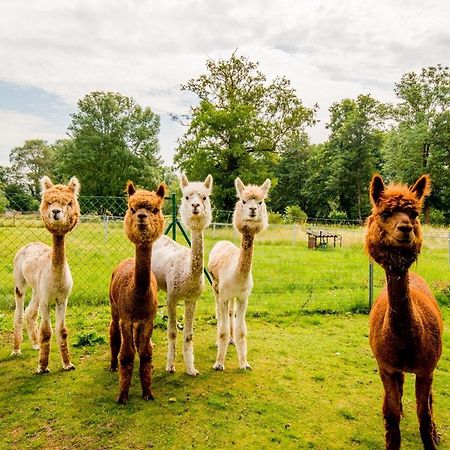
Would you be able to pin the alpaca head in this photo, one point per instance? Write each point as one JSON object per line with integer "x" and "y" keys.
{"x": 195, "y": 209}
{"x": 250, "y": 213}
{"x": 144, "y": 220}
{"x": 59, "y": 208}
{"x": 394, "y": 235}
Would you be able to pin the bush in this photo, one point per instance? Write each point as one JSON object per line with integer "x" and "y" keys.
{"x": 437, "y": 217}
{"x": 295, "y": 214}
{"x": 337, "y": 215}
{"x": 275, "y": 218}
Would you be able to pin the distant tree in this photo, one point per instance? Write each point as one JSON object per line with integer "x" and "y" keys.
{"x": 112, "y": 140}
{"x": 19, "y": 199}
{"x": 239, "y": 126}
{"x": 29, "y": 163}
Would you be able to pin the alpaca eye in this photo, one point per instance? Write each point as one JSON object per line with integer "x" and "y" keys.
{"x": 204, "y": 199}
{"x": 155, "y": 210}
{"x": 132, "y": 210}
{"x": 385, "y": 215}
{"x": 187, "y": 198}
{"x": 259, "y": 203}
{"x": 243, "y": 202}
{"x": 414, "y": 215}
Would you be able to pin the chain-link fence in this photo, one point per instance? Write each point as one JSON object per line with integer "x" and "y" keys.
{"x": 286, "y": 272}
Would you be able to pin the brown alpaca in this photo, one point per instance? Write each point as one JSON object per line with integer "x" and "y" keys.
{"x": 405, "y": 322}
{"x": 133, "y": 292}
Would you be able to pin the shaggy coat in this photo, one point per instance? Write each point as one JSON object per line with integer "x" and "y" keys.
{"x": 46, "y": 271}
{"x": 179, "y": 270}
{"x": 231, "y": 270}
{"x": 133, "y": 292}
{"x": 405, "y": 322}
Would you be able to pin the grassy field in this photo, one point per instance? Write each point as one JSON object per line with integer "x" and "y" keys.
{"x": 314, "y": 383}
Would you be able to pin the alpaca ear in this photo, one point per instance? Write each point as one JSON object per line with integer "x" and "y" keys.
{"x": 130, "y": 188}
{"x": 208, "y": 182}
{"x": 161, "y": 191}
{"x": 74, "y": 186}
{"x": 46, "y": 183}
{"x": 265, "y": 186}
{"x": 183, "y": 181}
{"x": 422, "y": 187}
{"x": 376, "y": 189}
{"x": 239, "y": 186}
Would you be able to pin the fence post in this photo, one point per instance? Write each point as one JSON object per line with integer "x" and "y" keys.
{"x": 370, "y": 284}
{"x": 174, "y": 217}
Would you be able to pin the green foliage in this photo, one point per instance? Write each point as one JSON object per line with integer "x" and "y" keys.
{"x": 337, "y": 216}
{"x": 29, "y": 163}
{"x": 113, "y": 140}
{"x": 295, "y": 214}
{"x": 4, "y": 202}
{"x": 239, "y": 126}
{"x": 437, "y": 217}
{"x": 88, "y": 339}
{"x": 19, "y": 199}
{"x": 275, "y": 218}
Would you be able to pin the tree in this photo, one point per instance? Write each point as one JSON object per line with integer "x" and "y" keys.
{"x": 239, "y": 126}
{"x": 113, "y": 140}
{"x": 29, "y": 163}
{"x": 351, "y": 154}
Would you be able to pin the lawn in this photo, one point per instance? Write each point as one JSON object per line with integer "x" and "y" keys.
{"x": 314, "y": 382}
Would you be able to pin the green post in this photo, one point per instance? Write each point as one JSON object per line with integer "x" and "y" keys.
{"x": 370, "y": 284}
{"x": 174, "y": 217}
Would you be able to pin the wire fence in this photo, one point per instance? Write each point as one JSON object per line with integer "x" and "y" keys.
{"x": 288, "y": 276}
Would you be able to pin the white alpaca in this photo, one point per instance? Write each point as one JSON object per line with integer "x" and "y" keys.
{"x": 46, "y": 271}
{"x": 179, "y": 269}
{"x": 231, "y": 270}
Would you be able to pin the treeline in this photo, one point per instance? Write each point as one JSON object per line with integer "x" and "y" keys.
{"x": 244, "y": 125}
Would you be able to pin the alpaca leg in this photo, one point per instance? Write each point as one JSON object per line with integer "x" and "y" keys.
{"x": 223, "y": 333}
{"x": 188, "y": 338}
{"x": 18, "y": 320}
{"x": 126, "y": 358}
{"x": 45, "y": 333}
{"x": 171, "y": 334}
{"x": 392, "y": 408}
{"x": 145, "y": 354}
{"x": 114, "y": 342}
{"x": 424, "y": 401}
{"x": 61, "y": 334}
{"x": 31, "y": 318}
{"x": 241, "y": 334}
{"x": 232, "y": 314}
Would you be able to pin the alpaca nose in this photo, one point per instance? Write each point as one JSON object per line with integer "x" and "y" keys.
{"x": 142, "y": 216}
{"x": 405, "y": 228}
{"x": 252, "y": 211}
{"x": 56, "y": 212}
{"x": 195, "y": 207}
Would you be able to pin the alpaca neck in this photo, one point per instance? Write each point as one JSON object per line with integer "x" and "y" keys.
{"x": 58, "y": 253}
{"x": 399, "y": 314}
{"x": 197, "y": 253}
{"x": 142, "y": 269}
{"x": 244, "y": 266}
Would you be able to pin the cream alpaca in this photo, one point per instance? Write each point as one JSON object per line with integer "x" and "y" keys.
{"x": 231, "y": 269}
{"x": 179, "y": 270}
{"x": 46, "y": 271}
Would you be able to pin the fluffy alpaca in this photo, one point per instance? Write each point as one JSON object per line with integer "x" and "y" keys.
{"x": 179, "y": 270}
{"x": 231, "y": 270}
{"x": 405, "y": 322}
{"x": 46, "y": 271}
{"x": 133, "y": 292}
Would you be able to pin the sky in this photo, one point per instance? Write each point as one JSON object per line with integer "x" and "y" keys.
{"x": 54, "y": 52}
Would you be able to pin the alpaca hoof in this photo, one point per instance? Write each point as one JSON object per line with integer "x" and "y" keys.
{"x": 122, "y": 399}
{"x": 35, "y": 347}
{"x": 113, "y": 368}
{"x": 16, "y": 352}
{"x": 231, "y": 342}
{"x": 246, "y": 366}
{"x": 170, "y": 369}
{"x": 192, "y": 372}
{"x": 69, "y": 366}
{"x": 148, "y": 397}
{"x": 218, "y": 367}
{"x": 42, "y": 370}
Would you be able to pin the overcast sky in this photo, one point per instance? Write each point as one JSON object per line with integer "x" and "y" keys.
{"x": 53, "y": 52}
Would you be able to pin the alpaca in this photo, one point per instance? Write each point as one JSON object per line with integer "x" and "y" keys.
{"x": 133, "y": 292}
{"x": 46, "y": 271}
{"x": 231, "y": 270}
{"x": 179, "y": 270}
{"x": 405, "y": 322}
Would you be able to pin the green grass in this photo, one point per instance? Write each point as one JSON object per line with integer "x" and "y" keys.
{"x": 314, "y": 384}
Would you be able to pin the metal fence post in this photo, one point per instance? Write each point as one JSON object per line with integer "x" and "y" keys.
{"x": 370, "y": 284}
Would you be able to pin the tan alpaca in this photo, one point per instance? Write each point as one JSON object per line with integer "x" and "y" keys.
{"x": 231, "y": 270}
{"x": 133, "y": 292}
{"x": 46, "y": 271}
{"x": 179, "y": 269}
{"x": 405, "y": 322}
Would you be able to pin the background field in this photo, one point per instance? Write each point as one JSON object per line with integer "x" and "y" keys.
{"x": 314, "y": 383}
